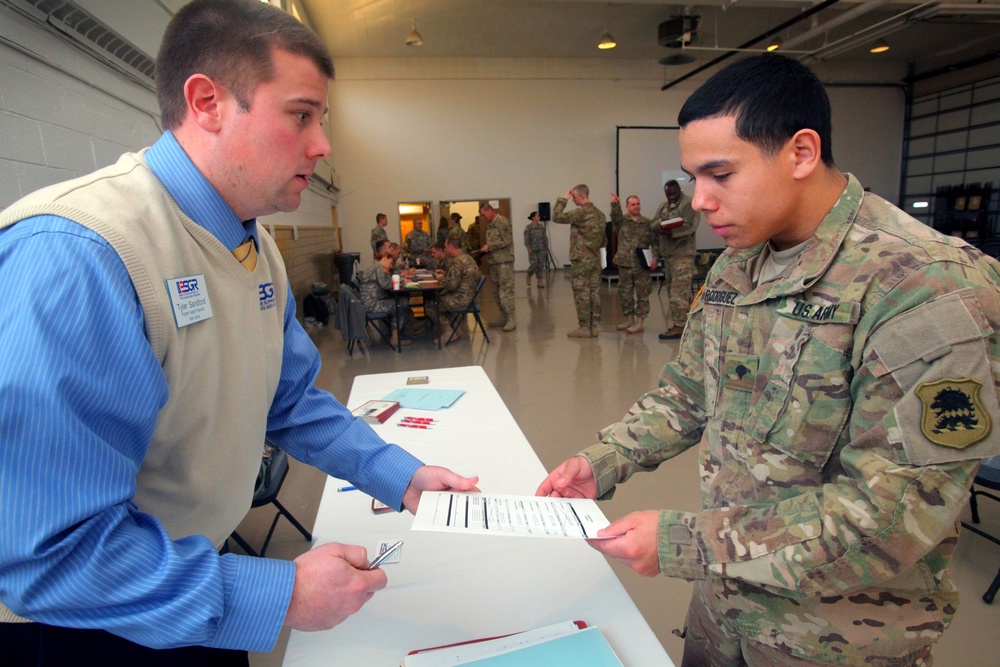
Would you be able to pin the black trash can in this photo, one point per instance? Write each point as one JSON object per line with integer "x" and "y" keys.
{"x": 345, "y": 264}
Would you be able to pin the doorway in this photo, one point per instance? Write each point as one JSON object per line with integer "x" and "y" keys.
{"x": 410, "y": 212}
{"x": 469, "y": 210}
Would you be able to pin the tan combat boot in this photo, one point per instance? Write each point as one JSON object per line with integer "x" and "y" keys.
{"x": 582, "y": 332}
{"x": 510, "y": 325}
{"x": 498, "y": 323}
{"x": 527, "y": 280}
{"x": 622, "y": 326}
{"x": 636, "y": 326}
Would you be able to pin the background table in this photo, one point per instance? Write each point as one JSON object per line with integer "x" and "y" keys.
{"x": 449, "y": 588}
{"x": 401, "y": 299}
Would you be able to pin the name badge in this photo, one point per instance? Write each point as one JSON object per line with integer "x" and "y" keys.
{"x": 189, "y": 299}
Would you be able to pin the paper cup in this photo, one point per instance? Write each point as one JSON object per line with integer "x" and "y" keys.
{"x": 395, "y": 281}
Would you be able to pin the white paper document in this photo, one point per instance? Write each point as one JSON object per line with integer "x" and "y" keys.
{"x": 491, "y": 514}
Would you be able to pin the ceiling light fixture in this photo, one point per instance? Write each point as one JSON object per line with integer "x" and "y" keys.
{"x": 775, "y": 44}
{"x": 607, "y": 42}
{"x": 414, "y": 38}
{"x": 881, "y": 46}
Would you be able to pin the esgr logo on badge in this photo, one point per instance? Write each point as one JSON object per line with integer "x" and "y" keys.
{"x": 186, "y": 286}
{"x": 266, "y": 292}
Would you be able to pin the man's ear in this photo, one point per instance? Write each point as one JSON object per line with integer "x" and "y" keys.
{"x": 204, "y": 101}
{"x": 806, "y": 147}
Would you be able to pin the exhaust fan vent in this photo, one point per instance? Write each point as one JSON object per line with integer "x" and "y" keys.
{"x": 86, "y": 30}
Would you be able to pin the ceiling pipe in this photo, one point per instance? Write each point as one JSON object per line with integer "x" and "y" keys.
{"x": 850, "y": 15}
{"x": 773, "y": 31}
{"x": 872, "y": 32}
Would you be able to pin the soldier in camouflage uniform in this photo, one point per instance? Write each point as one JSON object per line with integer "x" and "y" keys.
{"x": 375, "y": 288}
{"x": 472, "y": 234}
{"x": 499, "y": 251}
{"x": 378, "y": 231}
{"x": 677, "y": 248}
{"x": 841, "y": 395}
{"x": 586, "y": 237}
{"x": 635, "y": 233}
{"x": 418, "y": 243}
{"x": 442, "y": 232}
{"x": 458, "y": 282}
{"x": 456, "y": 231}
{"x": 537, "y": 243}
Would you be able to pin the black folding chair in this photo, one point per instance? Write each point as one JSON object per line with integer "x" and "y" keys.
{"x": 457, "y": 314}
{"x": 273, "y": 470}
{"x": 988, "y": 476}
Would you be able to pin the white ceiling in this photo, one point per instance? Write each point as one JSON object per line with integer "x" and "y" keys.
{"x": 949, "y": 33}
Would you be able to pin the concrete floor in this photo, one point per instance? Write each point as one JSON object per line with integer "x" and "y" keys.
{"x": 561, "y": 391}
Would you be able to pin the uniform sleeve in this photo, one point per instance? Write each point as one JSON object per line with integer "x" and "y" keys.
{"x": 691, "y": 219}
{"x": 315, "y": 428}
{"x": 504, "y": 237}
{"x": 901, "y": 490}
{"x": 559, "y": 214}
{"x": 660, "y": 425}
{"x": 616, "y": 216}
{"x": 81, "y": 391}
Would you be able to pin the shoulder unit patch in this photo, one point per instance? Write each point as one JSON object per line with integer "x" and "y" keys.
{"x": 953, "y": 414}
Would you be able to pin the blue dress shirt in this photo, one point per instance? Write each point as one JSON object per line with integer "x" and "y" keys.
{"x": 80, "y": 390}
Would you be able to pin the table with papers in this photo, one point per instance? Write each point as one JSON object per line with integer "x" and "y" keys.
{"x": 448, "y": 587}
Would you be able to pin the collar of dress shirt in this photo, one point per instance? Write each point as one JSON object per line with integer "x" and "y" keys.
{"x": 195, "y": 195}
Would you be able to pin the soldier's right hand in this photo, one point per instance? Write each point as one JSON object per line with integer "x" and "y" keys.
{"x": 614, "y": 198}
{"x": 331, "y": 583}
{"x": 573, "y": 478}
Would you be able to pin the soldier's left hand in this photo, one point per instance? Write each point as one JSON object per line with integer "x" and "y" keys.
{"x": 636, "y": 546}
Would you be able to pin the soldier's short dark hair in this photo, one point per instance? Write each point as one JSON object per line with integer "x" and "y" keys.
{"x": 532, "y": 215}
{"x": 382, "y": 246}
{"x": 453, "y": 241}
{"x": 379, "y": 216}
{"x": 771, "y": 98}
{"x": 486, "y": 207}
{"x": 582, "y": 190}
{"x": 635, "y": 197}
{"x": 671, "y": 184}
{"x": 229, "y": 41}
{"x": 436, "y": 246}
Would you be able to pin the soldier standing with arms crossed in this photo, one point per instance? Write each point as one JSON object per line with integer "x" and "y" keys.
{"x": 586, "y": 237}
{"x": 499, "y": 250}
{"x": 634, "y": 233}
{"x": 677, "y": 248}
{"x": 816, "y": 374}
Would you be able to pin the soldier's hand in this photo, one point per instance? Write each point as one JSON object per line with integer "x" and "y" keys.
{"x": 573, "y": 478}
{"x": 614, "y": 198}
{"x": 331, "y": 583}
{"x": 636, "y": 546}
{"x": 569, "y": 194}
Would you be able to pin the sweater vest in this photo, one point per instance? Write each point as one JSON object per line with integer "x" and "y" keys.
{"x": 201, "y": 464}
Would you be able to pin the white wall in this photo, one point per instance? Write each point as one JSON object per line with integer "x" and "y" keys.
{"x": 531, "y": 140}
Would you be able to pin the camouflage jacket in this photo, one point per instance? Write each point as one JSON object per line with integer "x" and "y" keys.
{"x": 681, "y": 240}
{"x": 632, "y": 235}
{"x": 535, "y": 239}
{"x": 840, "y": 411}
{"x": 374, "y": 285}
{"x": 500, "y": 239}
{"x": 417, "y": 243}
{"x": 463, "y": 274}
{"x": 472, "y": 236}
{"x": 586, "y": 236}
{"x": 378, "y": 235}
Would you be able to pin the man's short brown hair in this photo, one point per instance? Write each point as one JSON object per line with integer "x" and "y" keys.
{"x": 231, "y": 42}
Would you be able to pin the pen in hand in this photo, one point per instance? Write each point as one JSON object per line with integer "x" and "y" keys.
{"x": 385, "y": 554}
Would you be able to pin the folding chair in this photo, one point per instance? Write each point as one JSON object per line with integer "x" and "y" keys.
{"x": 273, "y": 470}
{"x": 472, "y": 309}
{"x": 988, "y": 476}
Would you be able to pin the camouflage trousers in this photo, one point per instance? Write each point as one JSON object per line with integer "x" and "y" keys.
{"x": 678, "y": 272}
{"x": 536, "y": 263}
{"x": 634, "y": 287}
{"x": 710, "y": 642}
{"x": 502, "y": 276}
{"x": 585, "y": 277}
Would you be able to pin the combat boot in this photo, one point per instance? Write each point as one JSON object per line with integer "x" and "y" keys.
{"x": 594, "y": 331}
{"x": 498, "y": 323}
{"x": 527, "y": 280}
{"x": 636, "y": 326}
{"x": 622, "y": 326}
{"x": 582, "y": 332}
{"x": 510, "y": 325}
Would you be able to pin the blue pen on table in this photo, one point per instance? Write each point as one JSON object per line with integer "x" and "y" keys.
{"x": 347, "y": 488}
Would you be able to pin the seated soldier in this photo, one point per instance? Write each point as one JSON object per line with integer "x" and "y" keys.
{"x": 459, "y": 283}
{"x": 376, "y": 292}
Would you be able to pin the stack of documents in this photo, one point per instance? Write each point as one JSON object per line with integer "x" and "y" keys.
{"x": 567, "y": 643}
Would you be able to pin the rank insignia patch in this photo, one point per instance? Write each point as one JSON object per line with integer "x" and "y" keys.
{"x": 953, "y": 414}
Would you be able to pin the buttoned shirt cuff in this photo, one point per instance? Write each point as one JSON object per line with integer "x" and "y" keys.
{"x": 678, "y": 546}
{"x": 256, "y": 602}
